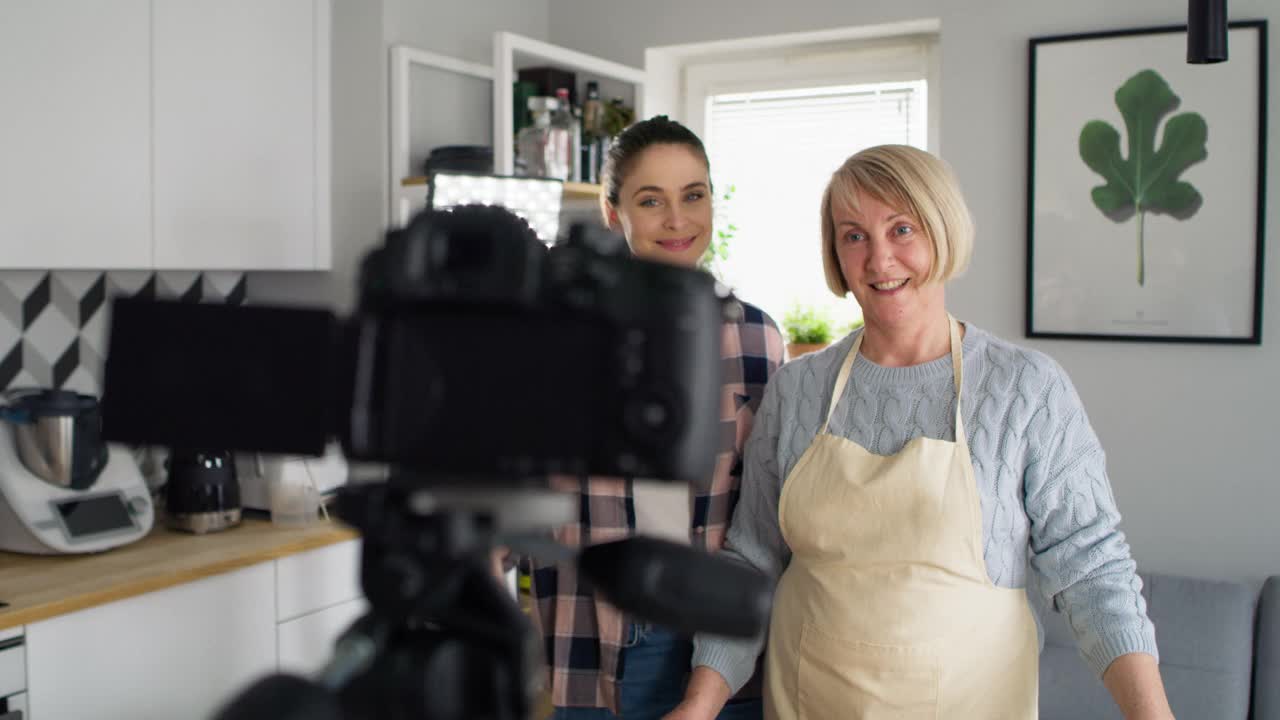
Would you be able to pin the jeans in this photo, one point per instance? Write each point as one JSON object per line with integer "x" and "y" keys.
{"x": 655, "y": 669}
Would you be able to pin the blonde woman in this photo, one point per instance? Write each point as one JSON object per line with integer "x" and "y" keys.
{"x": 904, "y": 483}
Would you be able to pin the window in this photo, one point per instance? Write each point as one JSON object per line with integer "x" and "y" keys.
{"x": 775, "y": 130}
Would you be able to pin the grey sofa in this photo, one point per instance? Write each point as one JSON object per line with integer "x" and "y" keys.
{"x": 1219, "y": 654}
{"x": 1266, "y": 666}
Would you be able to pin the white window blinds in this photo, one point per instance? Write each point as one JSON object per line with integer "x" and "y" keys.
{"x": 775, "y": 130}
{"x": 838, "y": 120}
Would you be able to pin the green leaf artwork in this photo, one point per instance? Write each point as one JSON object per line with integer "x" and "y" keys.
{"x": 1146, "y": 181}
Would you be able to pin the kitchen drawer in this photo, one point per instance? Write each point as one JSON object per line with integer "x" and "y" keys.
{"x": 317, "y": 579}
{"x": 172, "y": 654}
{"x": 305, "y": 644}
{"x": 13, "y": 666}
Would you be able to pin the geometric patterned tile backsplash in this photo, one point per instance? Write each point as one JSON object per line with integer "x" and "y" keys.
{"x": 53, "y": 324}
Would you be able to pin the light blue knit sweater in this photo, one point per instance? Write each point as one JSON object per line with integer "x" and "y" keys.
{"x": 1047, "y": 505}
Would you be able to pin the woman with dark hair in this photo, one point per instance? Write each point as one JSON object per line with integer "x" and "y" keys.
{"x": 604, "y": 664}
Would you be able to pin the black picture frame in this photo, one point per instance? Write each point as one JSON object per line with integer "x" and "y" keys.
{"x": 1060, "y": 303}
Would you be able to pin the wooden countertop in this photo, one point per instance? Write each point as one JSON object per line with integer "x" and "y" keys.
{"x": 37, "y": 587}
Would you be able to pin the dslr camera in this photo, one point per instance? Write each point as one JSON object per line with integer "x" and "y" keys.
{"x": 477, "y": 362}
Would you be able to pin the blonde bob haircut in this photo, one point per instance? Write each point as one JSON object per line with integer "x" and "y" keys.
{"x": 911, "y": 181}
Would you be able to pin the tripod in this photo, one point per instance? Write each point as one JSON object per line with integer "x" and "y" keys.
{"x": 442, "y": 641}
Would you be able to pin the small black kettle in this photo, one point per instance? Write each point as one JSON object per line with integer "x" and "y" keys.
{"x": 203, "y": 492}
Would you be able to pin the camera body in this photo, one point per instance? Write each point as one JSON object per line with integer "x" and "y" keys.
{"x": 501, "y": 357}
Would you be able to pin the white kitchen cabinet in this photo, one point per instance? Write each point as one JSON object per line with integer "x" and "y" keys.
{"x": 241, "y": 134}
{"x": 318, "y": 596}
{"x": 317, "y": 579}
{"x": 305, "y": 643}
{"x": 75, "y": 134}
{"x": 180, "y": 134}
{"x": 172, "y": 654}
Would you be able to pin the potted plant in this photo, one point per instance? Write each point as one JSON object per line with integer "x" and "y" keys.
{"x": 808, "y": 329}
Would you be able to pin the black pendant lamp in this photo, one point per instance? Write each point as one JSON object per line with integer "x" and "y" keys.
{"x": 1206, "y": 31}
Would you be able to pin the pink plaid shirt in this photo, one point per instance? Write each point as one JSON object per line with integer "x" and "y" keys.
{"x": 583, "y": 633}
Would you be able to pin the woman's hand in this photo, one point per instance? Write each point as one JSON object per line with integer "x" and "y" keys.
{"x": 1135, "y": 684}
{"x": 705, "y": 696}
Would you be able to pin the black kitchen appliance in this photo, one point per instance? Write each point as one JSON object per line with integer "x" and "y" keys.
{"x": 461, "y": 158}
{"x": 203, "y": 493}
{"x": 549, "y": 79}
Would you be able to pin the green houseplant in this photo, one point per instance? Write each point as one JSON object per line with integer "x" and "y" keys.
{"x": 808, "y": 329}
{"x": 717, "y": 253}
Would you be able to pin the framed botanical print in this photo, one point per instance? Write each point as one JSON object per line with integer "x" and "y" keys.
{"x": 1146, "y": 187}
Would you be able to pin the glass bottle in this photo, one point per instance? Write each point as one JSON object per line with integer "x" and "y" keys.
{"x": 542, "y": 148}
{"x": 564, "y": 119}
{"x": 593, "y": 134}
{"x": 593, "y": 112}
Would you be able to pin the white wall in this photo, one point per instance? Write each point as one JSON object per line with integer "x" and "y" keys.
{"x": 363, "y": 33}
{"x": 1189, "y": 430}
{"x": 463, "y": 30}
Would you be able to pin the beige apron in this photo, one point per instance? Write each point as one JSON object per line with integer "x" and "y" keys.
{"x": 886, "y": 610}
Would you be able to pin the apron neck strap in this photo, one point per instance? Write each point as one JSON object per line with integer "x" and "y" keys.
{"x": 957, "y": 371}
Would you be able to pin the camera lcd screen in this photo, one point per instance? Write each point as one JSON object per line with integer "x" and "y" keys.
{"x": 94, "y": 515}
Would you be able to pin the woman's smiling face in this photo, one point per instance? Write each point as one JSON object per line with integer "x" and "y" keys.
{"x": 885, "y": 258}
{"x": 664, "y": 205}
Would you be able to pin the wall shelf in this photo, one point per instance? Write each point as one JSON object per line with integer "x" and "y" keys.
{"x": 511, "y": 52}
{"x": 403, "y": 194}
{"x": 582, "y": 190}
